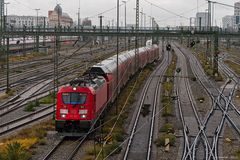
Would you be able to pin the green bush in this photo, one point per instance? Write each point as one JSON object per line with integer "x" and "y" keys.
{"x": 15, "y": 151}
{"x": 48, "y": 99}
{"x": 118, "y": 136}
{"x": 168, "y": 128}
{"x": 31, "y": 105}
{"x": 167, "y": 110}
{"x": 111, "y": 147}
{"x": 168, "y": 86}
{"x": 238, "y": 154}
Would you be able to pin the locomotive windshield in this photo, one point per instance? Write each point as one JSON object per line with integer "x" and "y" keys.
{"x": 74, "y": 98}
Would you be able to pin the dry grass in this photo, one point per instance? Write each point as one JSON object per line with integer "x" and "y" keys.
{"x": 168, "y": 88}
{"x": 119, "y": 132}
{"x": 26, "y": 57}
{"x": 235, "y": 67}
{"x": 27, "y": 138}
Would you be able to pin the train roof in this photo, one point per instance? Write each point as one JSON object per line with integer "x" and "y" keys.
{"x": 110, "y": 64}
{"x": 88, "y": 81}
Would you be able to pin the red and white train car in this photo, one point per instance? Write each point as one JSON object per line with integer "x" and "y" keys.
{"x": 81, "y": 103}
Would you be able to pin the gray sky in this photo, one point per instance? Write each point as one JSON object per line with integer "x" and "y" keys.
{"x": 91, "y": 8}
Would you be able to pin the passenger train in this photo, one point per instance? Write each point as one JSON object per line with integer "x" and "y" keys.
{"x": 83, "y": 100}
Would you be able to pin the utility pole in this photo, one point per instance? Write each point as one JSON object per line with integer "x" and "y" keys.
{"x": 7, "y": 50}
{"x": 5, "y": 18}
{"x": 209, "y": 15}
{"x": 8, "y": 85}
{"x": 216, "y": 52}
{"x": 57, "y": 43}
{"x": 79, "y": 20}
{"x": 117, "y": 54}
{"x": 44, "y": 27}
{"x": 2, "y": 30}
{"x": 37, "y": 9}
{"x": 100, "y": 17}
{"x": 125, "y": 4}
{"x": 200, "y": 23}
{"x": 136, "y": 37}
{"x": 101, "y": 26}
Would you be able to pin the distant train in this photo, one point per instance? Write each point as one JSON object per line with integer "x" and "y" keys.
{"x": 81, "y": 102}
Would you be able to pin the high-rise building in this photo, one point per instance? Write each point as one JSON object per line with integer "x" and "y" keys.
{"x": 58, "y": 17}
{"x": 201, "y": 19}
{"x": 237, "y": 9}
{"x": 28, "y": 21}
{"x": 237, "y": 14}
{"x": 228, "y": 22}
{"x": 1, "y": 14}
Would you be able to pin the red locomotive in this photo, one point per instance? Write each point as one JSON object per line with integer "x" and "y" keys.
{"x": 81, "y": 102}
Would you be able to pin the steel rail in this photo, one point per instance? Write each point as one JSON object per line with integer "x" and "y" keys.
{"x": 216, "y": 102}
{"x": 133, "y": 131}
{"x": 26, "y": 119}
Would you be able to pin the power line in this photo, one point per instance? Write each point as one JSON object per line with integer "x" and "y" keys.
{"x": 178, "y": 15}
{"x": 200, "y": 6}
{"x": 23, "y": 4}
{"x": 108, "y": 10}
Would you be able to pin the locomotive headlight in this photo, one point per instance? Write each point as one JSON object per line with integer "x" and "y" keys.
{"x": 84, "y": 111}
{"x": 63, "y": 111}
{"x": 63, "y": 115}
{"x": 83, "y": 116}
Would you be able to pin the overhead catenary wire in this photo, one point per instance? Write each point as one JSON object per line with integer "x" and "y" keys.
{"x": 171, "y": 12}
{"x": 106, "y": 11}
{"x": 190, "y": 10}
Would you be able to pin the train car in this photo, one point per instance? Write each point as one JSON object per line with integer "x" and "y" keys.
{"x": 81, "y": 103}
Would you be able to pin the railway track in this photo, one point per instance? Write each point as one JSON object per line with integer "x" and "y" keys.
{"x": 42, "y": 72}
{"x": 66, "y": 148}
{"x": 17, "y": 103}
{"x": 212, "y": 125}
{"x": 10, "y": 126}
{"x": 190, "y": 119}
{"x": 144, "y": 126}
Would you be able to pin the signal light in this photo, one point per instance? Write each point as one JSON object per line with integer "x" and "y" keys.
{"x": 168, "y": 47}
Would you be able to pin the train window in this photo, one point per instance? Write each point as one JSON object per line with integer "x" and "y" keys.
{"x": 74, "y": 98}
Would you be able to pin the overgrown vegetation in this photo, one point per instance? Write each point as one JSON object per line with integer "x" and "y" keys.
{"x": 118, "y": 133}
{"x": 30, "y": 107}
{"x": 234, "y": 66}
{"x": 18, "y": 146}
{"x": 168, "y": 88}
{"x": 238, "y": 154}
{"x": 167, "y": 130}
{"x": 48, "y": 99}
{"x": 25, "y": 57}
{"x": 9, "y": 93}
{"x": 207, "y": 66}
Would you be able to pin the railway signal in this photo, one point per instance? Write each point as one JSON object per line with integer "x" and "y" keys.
{"x": 168, "y": 47}
{"x": 178, "y": 70}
